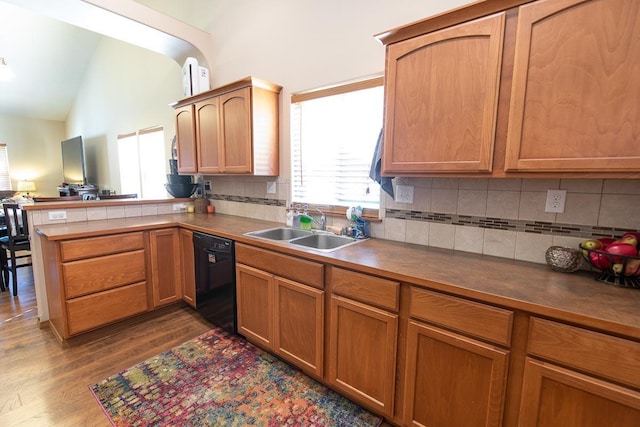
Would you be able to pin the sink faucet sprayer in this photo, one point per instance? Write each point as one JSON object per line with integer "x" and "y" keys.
{"x": 323, "y": 220}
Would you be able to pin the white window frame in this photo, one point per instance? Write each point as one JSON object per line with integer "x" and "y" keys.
{"x": 142, "y": 171}
{"x": 5, "y": 176}
{"x": 298, "y": 175}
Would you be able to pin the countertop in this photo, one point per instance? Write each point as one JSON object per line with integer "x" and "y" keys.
{"x": 533, "y": 288}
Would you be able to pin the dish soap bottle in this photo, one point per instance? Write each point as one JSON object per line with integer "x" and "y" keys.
{"x": 290, "y": 216}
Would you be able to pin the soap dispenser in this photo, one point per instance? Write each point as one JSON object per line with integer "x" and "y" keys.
{"x": 296, "y": 217}
{"x": 290, "y": 216}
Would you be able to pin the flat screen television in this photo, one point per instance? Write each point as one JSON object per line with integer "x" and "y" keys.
{"x": 73, "y": 161}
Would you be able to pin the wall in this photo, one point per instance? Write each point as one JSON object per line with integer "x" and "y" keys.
{"x": 126, "y": 88}
{"x": 34, "y": 151}
{"x": 304, "y": 45}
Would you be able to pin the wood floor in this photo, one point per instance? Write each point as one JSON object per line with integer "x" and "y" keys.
{"x": 43, "y": 384}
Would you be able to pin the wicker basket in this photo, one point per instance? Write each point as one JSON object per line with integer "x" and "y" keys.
{"x": 561, "y": 258}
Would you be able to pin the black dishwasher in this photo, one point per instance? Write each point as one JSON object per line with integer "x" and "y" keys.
{"x": 215, "y": 280}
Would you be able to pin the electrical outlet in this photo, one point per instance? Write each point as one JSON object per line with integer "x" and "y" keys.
{"x": 57, "y": 215}
{"x": 179, "y": 207}
{"x": 271, "y": 187}
{"x": 207, "y": 186}
{"x": 555, "y": 201}
{"x": 404, "y": 194}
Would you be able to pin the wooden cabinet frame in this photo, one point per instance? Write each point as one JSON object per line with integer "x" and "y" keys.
{"x": 567, "y": 98}
{"x": 233, "y": 129}
{"x": 360, "y": 365}
{"x": 166, "y": 276}
{"x": 546, "y": 384}
{"x": 486, "y": 406}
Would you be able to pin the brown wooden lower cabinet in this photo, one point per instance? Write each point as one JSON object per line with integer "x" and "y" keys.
{"x": 558, "y": 397}
{"x": 254, "y": 294}
{"x": 299, "y": 325}
{"x": 94, "y": 281}
{"x": 188, "y": 268}
{"x": 362, "y": 353}
{"x": 576, "y": 377}
{"x": 452, "y": 380}
{"x": 166, "y": 277}
{"x": 283, "y": 316}
{"x": 92, "y": 311}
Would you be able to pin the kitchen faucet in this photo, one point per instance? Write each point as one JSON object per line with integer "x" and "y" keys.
{"x": 323, "y": 220}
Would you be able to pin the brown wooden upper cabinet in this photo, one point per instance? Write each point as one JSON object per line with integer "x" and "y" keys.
{"x": 441, "y": 99}
{"x": 230, "y": 130}
{"x": 516, "y": 88}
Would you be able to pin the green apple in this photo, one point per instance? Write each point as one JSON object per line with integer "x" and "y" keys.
{"x": 632, "y": 240}
{"x": 591, "y": 244}
{"x": 617, "y": 268}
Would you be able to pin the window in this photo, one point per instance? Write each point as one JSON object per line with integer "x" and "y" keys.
{"x": 333, "y": 137}
{"x": 142, "y": 170}
{"x": 5, "y": 180}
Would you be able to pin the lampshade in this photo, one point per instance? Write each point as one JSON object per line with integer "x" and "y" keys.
{"x": 26, "y": 186}
{"x": 5, "y": 72}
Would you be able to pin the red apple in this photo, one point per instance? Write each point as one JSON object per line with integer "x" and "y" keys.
{"x": 600, "y": 260}
{"x": 628, "y": 239}
{"x": 622, "y": 250}
{"x": 632, "y": 268}
{"x": 632, "y": 233}
{"x": 606, "y": 241}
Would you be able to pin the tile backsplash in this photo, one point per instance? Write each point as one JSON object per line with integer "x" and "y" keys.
{"x": 499, "y": 217}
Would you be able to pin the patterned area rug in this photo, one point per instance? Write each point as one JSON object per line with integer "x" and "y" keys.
{"x": 219, "y": 379}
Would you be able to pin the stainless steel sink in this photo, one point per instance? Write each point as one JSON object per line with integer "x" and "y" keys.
{"x": 280, "y": 233}
{"x": 316, "y": 239}
{"x": 324, "y": 242}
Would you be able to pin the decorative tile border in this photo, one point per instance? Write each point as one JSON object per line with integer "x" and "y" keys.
{"x": 252, "y": 200}
{"x": 539, "y": 227}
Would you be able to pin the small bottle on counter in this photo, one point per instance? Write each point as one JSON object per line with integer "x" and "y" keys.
{"x": 296, "y": 217}
{"x": 290, "y": 216}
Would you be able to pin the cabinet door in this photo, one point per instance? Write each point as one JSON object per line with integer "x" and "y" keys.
{"x": 254, "y": 293}
{"x": 208, "y": 135}
{"x": 362, "y": 353}
{"x": 299, "y": 325}
{"x": 186, "y": 139}
{"x": 188, "y": 270}
{"x": 235, "y": 119}
{"x": 441, "y": 97}
{"x": 557, "y": 397}
{"x": 575, "y": 98}
{"x": 165, "y": 257}
{"x": 453, "y": 380}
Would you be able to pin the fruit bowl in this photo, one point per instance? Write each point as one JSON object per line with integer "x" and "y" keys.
{"x": 615, "y": 269}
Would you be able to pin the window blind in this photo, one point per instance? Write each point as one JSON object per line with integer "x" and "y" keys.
{"x": 333, "y": 138}
{"x": 5, "y": 179}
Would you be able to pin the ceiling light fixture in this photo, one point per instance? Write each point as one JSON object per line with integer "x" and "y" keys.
{"x": 6, "y": 74}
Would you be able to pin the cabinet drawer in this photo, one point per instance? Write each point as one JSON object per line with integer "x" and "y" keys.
{"x": 300, "y": 270}
{"x": 365, "y": 288}
{"x": 99, "y": 309}
{"x": 96, "y": 246}
{"x": 593, "y": 352}
{"x": 98, "y": 274}
{"x": 472, "y": 318}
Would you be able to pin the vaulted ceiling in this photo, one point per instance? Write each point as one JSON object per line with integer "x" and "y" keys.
{"x": 48, "y": 57}
{"x": 49, "y": 45}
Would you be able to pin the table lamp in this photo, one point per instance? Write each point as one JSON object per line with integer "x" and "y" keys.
{"x": 26, "y": 186}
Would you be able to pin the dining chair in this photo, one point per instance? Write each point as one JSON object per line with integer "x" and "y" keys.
{"x": 15, "y": 245}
